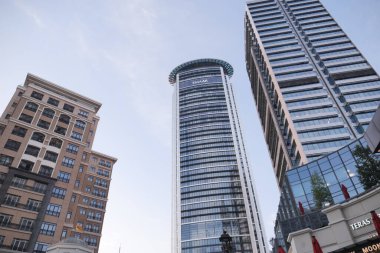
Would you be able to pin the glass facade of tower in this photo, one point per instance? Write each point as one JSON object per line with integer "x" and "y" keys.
{"x": 336, "y": 169}
{"x": 212, "y": 189}
{"x": 314, "y": 91}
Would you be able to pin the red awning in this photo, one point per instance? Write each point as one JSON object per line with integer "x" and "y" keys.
{"x": 281, "y": 249}
{"x": 345, "y": 192}
{"x": 376, "y": 222}
{"x": 302, "y": 211}
{"x": 316, "y": 246}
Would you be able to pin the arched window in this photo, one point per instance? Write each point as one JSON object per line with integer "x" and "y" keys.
{"x": 80, "y": 124}
{"x": 31, "y": 106}
{"x": 48, "y": 113}
{"x": 64, "y": 118}
{"x": 55, "y": 143}
{"x": 38, "y": 137}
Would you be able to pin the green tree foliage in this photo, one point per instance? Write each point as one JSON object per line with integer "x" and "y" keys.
{"x": 368, "y": 167}
{"x": 320, "y": 191}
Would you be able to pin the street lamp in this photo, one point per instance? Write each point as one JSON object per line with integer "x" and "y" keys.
{"x": 226, "y": 239}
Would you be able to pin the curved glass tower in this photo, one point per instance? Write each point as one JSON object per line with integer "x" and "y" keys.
{"x": 212, "y": 188}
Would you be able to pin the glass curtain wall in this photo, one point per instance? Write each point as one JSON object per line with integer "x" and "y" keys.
{"x": 212, "y": 188}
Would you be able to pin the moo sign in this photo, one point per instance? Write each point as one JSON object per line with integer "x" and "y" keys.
{"x": 366, "y": 247}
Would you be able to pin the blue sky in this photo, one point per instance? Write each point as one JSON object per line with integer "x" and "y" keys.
{"x": 120, "y": 53}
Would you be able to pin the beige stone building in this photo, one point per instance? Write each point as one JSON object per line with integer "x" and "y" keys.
{"x": 350, "y": 229}
{"x": 52, "y": 184}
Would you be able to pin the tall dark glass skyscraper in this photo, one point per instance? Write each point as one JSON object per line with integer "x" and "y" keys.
{"x": 314, "y": 90}
{"x": 212, "y": 188}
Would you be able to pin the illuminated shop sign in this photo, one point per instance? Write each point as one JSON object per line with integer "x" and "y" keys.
{"x": 371, "y": 248}
{"x": 367, "y": 247}
{"x": 362, "y": 223}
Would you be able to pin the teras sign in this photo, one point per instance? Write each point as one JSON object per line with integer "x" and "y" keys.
{"x": 361, "y": 224}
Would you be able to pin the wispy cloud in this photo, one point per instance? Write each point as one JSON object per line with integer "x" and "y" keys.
{"x": 31, "y": 12}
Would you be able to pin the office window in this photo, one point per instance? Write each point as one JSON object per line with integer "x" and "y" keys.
{"x": 83, "y": 113}
{"x": 48, "y": 113}
{"x": 68, "y": 162}
{"x": 26, "y": 118}
{"x": 72, "y": 148}
{"x": 68, "y": 107}
{"x": 6, "y": 160}
{"x": 26, "y": 165}
{"x": 91, "y": 241}
{"x": 32, "y": 150}
{"x": 92, "y": 169}
{"x": 51, "y": 156}
{"x": 45, "y": 171}
{"x": 64, "y": 118}
{"x": 19, "y": 244}
{"x": 18, "y": 182}
{"x": 37, "y": 95}
{"x": 40, "y": 247}
{"x": 80, "y": 124}
{"x": 53, "y": 209}
{"x": 76, "y": 136}
{"x": 11, "y": 200}
{"x": 104, "y": 173}
{"x": 31, "y": 106}
{"x": 63, "y": 176}
{"x": 39, "y": 187}
{"x": 48, "y": 228}
{"x": 101, "y": 182}
{"x": 26, "y": 224}
{"x": 60, "y": 130}
{"x": 53, "y": 101}
{"x": 33, "y": 204}
{"x": 5, "y": 219}
{"x": 43, "y": 124}
{"x": 12, "y": 145}
{"x": 38, "y": 137}
{"x": 98, "y": 216}
{"x": 59, "y": 193}
{"x": 54, "y": 142}
{"x": 19, "y": 131}
{"x": 64, "y": 233}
